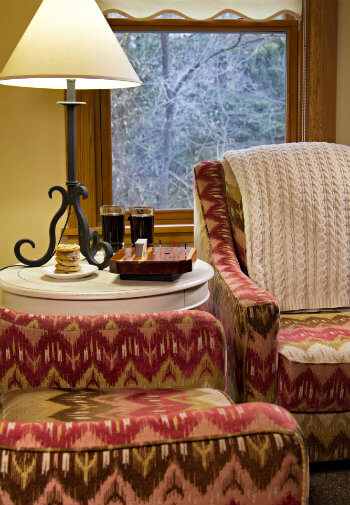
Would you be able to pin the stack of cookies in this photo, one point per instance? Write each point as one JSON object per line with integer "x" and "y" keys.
{"x": 67, "y": 259}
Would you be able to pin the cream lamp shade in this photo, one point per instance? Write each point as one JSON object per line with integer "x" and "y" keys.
{"x": 69, "y": 39}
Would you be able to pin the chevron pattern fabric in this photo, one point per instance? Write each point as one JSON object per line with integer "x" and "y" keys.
{"x": 235, "y": 210}
{"x": 156, "y": 428}
{"x": 301, "y": 361}
{"x": 326, "y": 434}
{"x": 69, "y": 405}
{"x": 169, "y": 349}
{"x": 142, "y": 443}
{"x": 250, "y": 315}
{"x": 227, "y": 455}
{"x": 314, "y": 362}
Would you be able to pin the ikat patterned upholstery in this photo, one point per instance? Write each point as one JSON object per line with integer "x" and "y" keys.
{"x": 69, "y": 405}
{"x": 162, "y": 350}
{"x": 235, "y": 210}
{"x": 299, "y": 361}
{"x": 314, "y": 362}
{"x": 125, "y": 409}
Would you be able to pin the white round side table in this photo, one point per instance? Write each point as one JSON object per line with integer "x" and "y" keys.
{"x": 30, "y": 290}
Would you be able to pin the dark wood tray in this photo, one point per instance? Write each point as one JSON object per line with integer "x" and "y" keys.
{"x": 160, "y": 261}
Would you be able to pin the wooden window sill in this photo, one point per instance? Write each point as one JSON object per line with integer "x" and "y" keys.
{"x": 164, "y": 232}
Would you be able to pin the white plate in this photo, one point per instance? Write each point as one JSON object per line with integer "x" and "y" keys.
{"x": 85, "y": 271}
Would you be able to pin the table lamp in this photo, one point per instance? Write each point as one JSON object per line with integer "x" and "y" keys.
{"x": 69, "y": 45}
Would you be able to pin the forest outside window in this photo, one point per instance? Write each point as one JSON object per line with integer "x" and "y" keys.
{"x": 203, "y": 93}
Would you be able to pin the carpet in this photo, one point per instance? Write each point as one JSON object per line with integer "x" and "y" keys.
{"x": 330, "y": 483}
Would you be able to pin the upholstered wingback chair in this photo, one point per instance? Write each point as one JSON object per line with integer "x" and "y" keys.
{"x": 131, "y": 409}
{"x": 283, "y": 213}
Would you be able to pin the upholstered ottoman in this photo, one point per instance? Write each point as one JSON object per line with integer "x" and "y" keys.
{"x": 128, "y": 409}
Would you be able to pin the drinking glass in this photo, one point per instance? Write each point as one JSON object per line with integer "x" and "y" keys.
{"x": 142, "y": 224}
{"x": 113, "y": 225}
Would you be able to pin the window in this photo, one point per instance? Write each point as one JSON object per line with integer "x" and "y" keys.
{"x": 203, "y": 93}
{"x": 310, "y": 100}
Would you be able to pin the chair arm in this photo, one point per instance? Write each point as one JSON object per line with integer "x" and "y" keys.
{"x": 250, "y": 315}
{"x": 166, "y": 349}
{"x": 250, "y": 453}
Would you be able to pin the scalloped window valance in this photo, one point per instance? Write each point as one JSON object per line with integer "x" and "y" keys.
{"x": 202, "y": 9}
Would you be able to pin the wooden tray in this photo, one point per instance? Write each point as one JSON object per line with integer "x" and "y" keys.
{"x": 161, "y": 263}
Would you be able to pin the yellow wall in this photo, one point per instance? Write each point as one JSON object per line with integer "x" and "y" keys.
{"x": 343, "y": 74}
{"x": 32, "y": 147}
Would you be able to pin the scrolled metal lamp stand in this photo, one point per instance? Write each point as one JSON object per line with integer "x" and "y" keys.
{"x": 70, "y": 197}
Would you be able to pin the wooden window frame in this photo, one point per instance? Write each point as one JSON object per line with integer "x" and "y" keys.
{"x": 310, "y": 97}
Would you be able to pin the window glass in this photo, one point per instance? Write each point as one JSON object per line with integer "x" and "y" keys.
{"x": 203, "y": 93}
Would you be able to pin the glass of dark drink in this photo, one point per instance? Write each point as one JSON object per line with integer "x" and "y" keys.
{"x": 113, "y": 225}
{"x": 141, "y": 224}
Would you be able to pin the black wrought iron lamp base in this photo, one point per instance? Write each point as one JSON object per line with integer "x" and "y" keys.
{"x": 85, "y": 236}
{"x": 70, "y": 198}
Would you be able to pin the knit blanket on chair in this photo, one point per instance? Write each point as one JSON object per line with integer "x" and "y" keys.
{"x": 296, "y": 206}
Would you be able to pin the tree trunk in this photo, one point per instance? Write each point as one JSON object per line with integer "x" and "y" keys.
{"x": 162, "y": 198}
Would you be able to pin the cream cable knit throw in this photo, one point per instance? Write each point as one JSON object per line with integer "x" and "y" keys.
{"x": 296, "y": 204}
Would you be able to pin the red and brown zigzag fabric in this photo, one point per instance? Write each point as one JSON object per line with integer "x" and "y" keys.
{"x": 228, "y": 455}
{"x": 300, "y": 361}
{"x": 182, "y": 349}
{"x": 198, "y": 449}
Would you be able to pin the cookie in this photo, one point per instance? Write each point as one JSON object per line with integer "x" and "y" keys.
{"x": 67, "y": 259}
{"x": 67, "y": 262}
{"x": 70, "y": 268}
{"x": 67, "y": 248}
{"x": 65, "y": 272}
{"x": 69, "y": 256}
